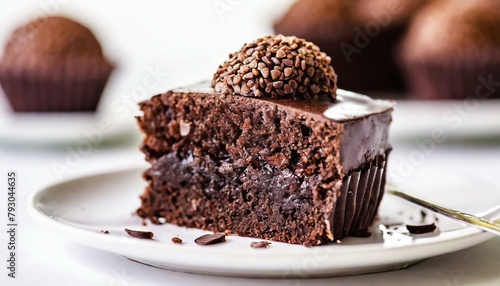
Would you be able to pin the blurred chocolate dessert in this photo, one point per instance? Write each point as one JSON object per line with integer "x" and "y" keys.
{"x": 53, "y": 64}
{"x": 360, "y": 35}
{"x": 452, "y": 51}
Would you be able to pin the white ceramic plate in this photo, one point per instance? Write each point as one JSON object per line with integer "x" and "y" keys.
{"x": 79, "y": 209}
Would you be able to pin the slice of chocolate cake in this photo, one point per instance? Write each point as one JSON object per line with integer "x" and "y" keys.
{"x": 304, "y": 167}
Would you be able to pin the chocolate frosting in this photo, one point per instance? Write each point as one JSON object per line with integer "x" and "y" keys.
{"x": 364, "y": 139}
{"x": 352, "y": 106}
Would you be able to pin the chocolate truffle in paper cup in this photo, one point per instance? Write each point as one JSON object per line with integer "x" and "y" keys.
{"x": 452, "y": 51}
{"x": 358, "y": 35}
{"x": 53, "y": 64}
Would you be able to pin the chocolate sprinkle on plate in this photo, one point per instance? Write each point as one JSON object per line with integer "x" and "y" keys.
{"x": 140, "y": 234}
{"x": 419, "y": 229}
{"x": 209, "y": 239}
{"x": 259, "y": 244}
{"x": 104, "y": 232}
{"x": 176, "y": 240}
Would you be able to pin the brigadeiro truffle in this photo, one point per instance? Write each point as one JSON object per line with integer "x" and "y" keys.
{"x": 53, "y": 64}
{"x": 277, "y": 67}
{"x": 452, "y": 50}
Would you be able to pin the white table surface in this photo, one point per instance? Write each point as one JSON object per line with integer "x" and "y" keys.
{"x": 154, "y": 39}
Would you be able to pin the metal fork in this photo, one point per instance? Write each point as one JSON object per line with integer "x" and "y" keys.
{"x": 487, "y": 221}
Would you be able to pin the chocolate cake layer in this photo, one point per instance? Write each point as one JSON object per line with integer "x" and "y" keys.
{"x": 272, "y": 169}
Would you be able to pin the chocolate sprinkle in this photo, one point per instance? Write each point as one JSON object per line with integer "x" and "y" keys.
{"x": 140, "y": 234}
{"x": 419, "y": 229}
{"x": 259, "y": 244}
{"x": 176, "y": 240}
{"x": 208, "y": 239}
{"x": 277, "y": 67}
{"x": 104, "y": 232}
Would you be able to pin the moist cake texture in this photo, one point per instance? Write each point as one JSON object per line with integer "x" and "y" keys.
{"x": 273, "y": 151}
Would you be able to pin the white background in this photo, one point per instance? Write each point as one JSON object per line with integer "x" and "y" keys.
{"x": 187, "y": 40}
